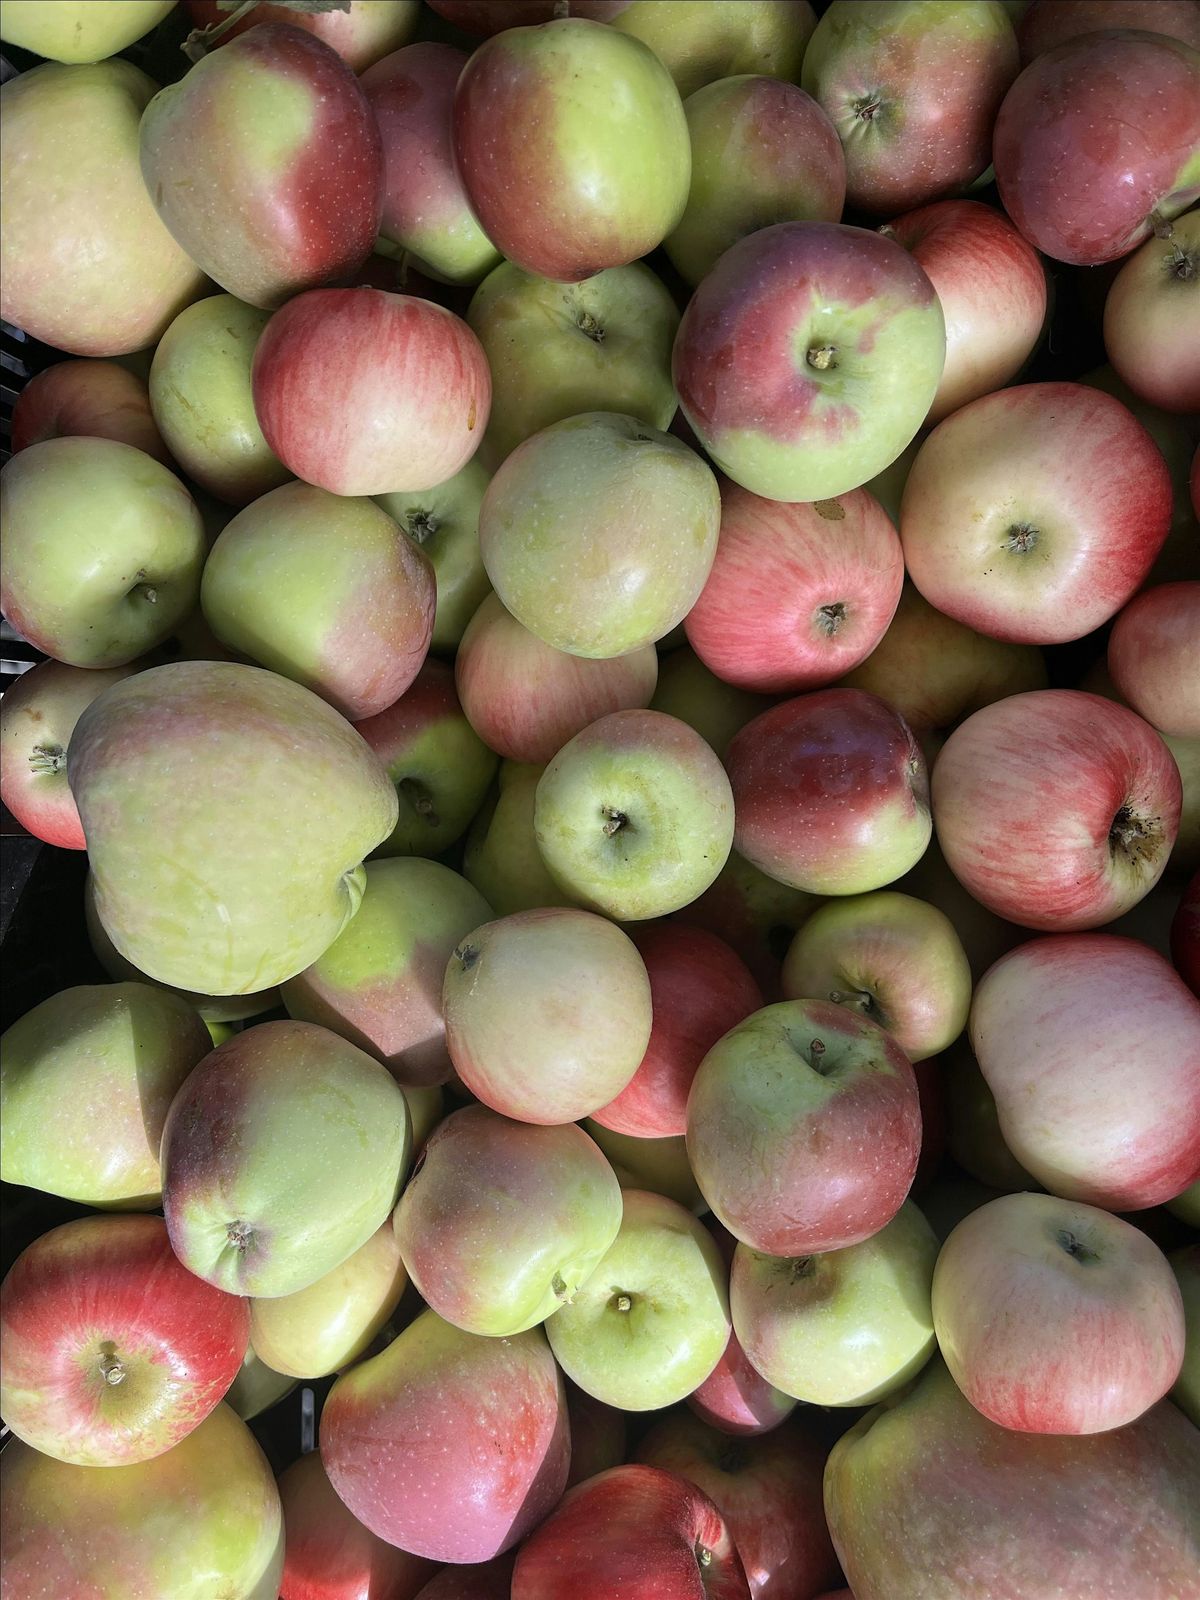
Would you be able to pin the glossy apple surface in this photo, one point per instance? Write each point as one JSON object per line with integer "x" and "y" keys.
{"x": 88, "y": 399}
{"x": 736, "y": 1399}
{"x": 444, "y": 523}
{"x": 699, "y": 41}
{"x": 1154, "y": 657}
{"x": 1049, "y": 23}
{"x": 1152, "y": 318}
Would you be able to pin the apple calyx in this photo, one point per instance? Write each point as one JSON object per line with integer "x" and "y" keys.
{"x": 1137, "y": 839}
{"x": 112, "y": 1369}
{"x": 466, "y": 955}
{"x": 1075, "y": 1247}
{"x": 814, "y": 1054}
{"x": 418, "y": 796}
{"x": 822, "y": 357}
{"x": 1021, "y": 538}
{"x": 867, "y": 108}
{"x": 801, "y": 1267}
{"x": 420, "y": 526}
{"x": 829, "y": 618}
{"x": 47, "y": 758}
{"x": 239, "y": 1235}
{"x": 589, "y": 327}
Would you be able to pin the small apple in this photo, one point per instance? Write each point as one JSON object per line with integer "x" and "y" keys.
{"x": 1152, "y": 317}
{"x": 444, "y": 523}
{"x": 501, "y": 857}
{"x": 87, "y": 399}
{"x": 715, "y": 709}
{"x": 1154, "y": 657}
{"x": 659, "y": 1165}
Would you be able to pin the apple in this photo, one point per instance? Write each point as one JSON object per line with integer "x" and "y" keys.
{"x": 79, "y": 30}
{"x": 913, "y": 90}
{"x": 736, "y": 1399}
{"x": 102, "y": 550}
{"x": 361, "y": 34}
{"x": 779, "y": 1113}
{"x": 487, "y": 1580}
{"x": 571, "y": 143}
{"x": 830, "y": 793}
{"x": 85, "y": 265}
{"x": 533, "y": 1023}
{"x": 256, "y": 1388}
{"x": 974, "y": 1138}
{"x": 798, "y": 594}
{"x": 1154, "y": 657}
{"x": 699, "y": 989}
{"x": 598, "y": 533}
{"x": 889, "y": 957}
{"x": 983, "y": 935}
{"x": 1048, "y": 23}
{"x": 282, "y": 1154}
{"x": 407, "y": 1444}
{"x": 501, "y": 857}
{"x": 652, "y": 1321}
{"x": 504, "y": 1251}
{"x": 1151, "y": 317}
{"x": 1054, "y": 1026}
{"x": 715, "y": 709}
{"x": 100, "y": 1064}
{"x": 992, "y": 287}
{"x": 1070, "y": 176}
{"x": 598, "y": 1437}
{"x": 495, "y": 16}
{"x": 808, "y": 358}
{"x": 287, "y": 233}
{"x": 201, "y": 1520}
{"x": 112, "y": 1351}
{"x": 1185, "y": 1264}
{"x": 767, "y": 1489}
{"x": 754, "y": 914}
{"x": 1056, "y": 809}
{"x": 526, "y": 699}
{"x": 699, "y": 41}
{"x": 659, "y": 1165}
{"x": 88, "y": 399}
{"x": 634, "y": 816}
{"x": 444, "y": 523}
{"x": 1185, "y": 936}
{"x": 1030, "y": 1276}
{"x": 208, "y": 874}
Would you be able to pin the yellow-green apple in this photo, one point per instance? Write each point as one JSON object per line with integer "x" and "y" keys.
{"x": 200, "y": 394}
{"x": 763, "y": 151}
{"x": 634, "y": 816}
{"x": 607, "y": 123}
{"x": 444, "y": 523}
{"x": 1185, "y": 936}
{"x": 361, "y": 33}
{"x": 688, "y": 690}
{"x": 935, "y": 671}
{"x": 328, "y": 1554}
{"x": 501, "y": 857}
{"x": 1070, "y": 177}
{"x": 779, "y": 1114}
{"x": 992, "y": 287}
{"x": 1029, "y": 1277}
{"x": 767, "y": 1489}
{"x": 102, "y": 550}
{"x": 324, "y": 589}
{"x": 973, "y": 1136}
{"x": 427, "y": 217}
{"x": 1185, "y": 1264}
{"x": 845, "y": 1327}
{"x": 38, "y": 712}
{"x": 1054, "y": 1025}
{"x": 1154, "y": 657}
{"x": 79, "y": 30}
{"x": 808, "y": 358}
{"x": 503, "y": 1250}
{"x": 407, "y": 1444}
{"x": 831, "y": 792}
{"x": 659, "y": 1165}
{"x": 652, "y": 1320}
{"x": 100, "y": 1065}
{"x": 754, "y": 914}
{"x": 282, "y": 1153}
{"x": 332, "y": 357}
{"x": 1056, "y": 809}
{"x": 112, "y": 1351}
{"x": 699, "y": 41}
{"x": 924, "y": 1496}
{"x": 798, "y": 594}
{"x": 1048, "y": 23}
{"x": 87, "y": 399}
{"x": 889, "y": 957}
{"x": 699, "y": 989}
{"x": 598, "y": 1437}
{"x": 888, "y": 486}
{"x": 531, "y": 1025}
{"x": 227, "y": 812}
{"x": 203, "y": 1520}
{"x": 439, "y": 764}
{"x": 276, "y": 121}
{"x": 1152, "y": 317}
{"x": 257, "y": 1388}
{"x": 525, "y": 699}
{"x": 598, "y": 533}
{"x": 495, "y": 16}
{"x": 1034, "y": 513}
{"x": 85, "y": 264}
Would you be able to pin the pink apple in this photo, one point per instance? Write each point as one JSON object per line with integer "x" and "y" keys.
{"x": 1056, "y": 809}
{"x": 1154, "y": 657}
{"x": 360, "y": 34}
{"x": 1152, "y": 317}
{"x": 1185, "y": 936}
{"x": 1049, "y": 23}
{"x": 99, "y": 399}
{"x": 798, "y": 594}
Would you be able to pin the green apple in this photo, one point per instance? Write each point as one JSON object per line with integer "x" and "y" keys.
{"x": 79, "y": 30}
{"x": 1186, "y": 1206}
{"x": 660, "y": 1165}
{"x": 973, "y": 1134}
{"x": 652, "y": 1321}
{"x": 257, "y": 1387}
{"x": 688, "y": 690}
{"x": 1185, "y": 1264}
{"x": 426, "y": 1108}
{"x": 699, "y": 41}
{"x": 501, "y": 858}
{"x": 444, "y": 523}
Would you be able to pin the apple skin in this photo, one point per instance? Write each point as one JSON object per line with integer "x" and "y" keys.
{"x": 216, "y": 1523}
{"x": 100, "y": 1064}
{"x": 1152, "y": 318}
{"x": 1054, "y": 1025}
{"x": 974, "y": 1138}
{"x": 526, "y": 699}
{"x": 913, "y": 91}
{"x": 769, "y": 1492}
{"x": 530, "y": 1022}
{"x": 102, "y": 551}
{"x": 1185, "y": 936}
{"x": 504, "y": 1252}
{"x": 488, "y": 17}
{"x": 1029, "y": 1277}
{"x": 1056, "y": 809}
{"x": 444, "y": 523}
{"x": 605, "y": 123}
{"x": 282, "y": 1154}
{"x": 501, "y": 857}
{"x": 797, "y": 594}
{"x": 275, "y": 100}
{"x": 82, "y": 31}
{"x": 256, "y": 1388}
{"x": 806, "y": 427}
{"x": 1049, "y": 23}
{"x": 658, "y": 1165}
{"x": 112, "y": 1351}
{"x": 736, "y": 1399}
{"x": 598, "y": 1437}
{"x": 365, "y": 33}
{"x": 406, "y": 1442}
{"x": 1081, "y": 101}
{"x": 1185, "y": 1264}
{"x": 1154, "y": 657}
{"x": 831, "y": 793}
{"x": 992, "y": 287}
{"x": 754, "y": 914}
{"x": 699, "y": 41}
{"x": 777, "y": 1127}
{"x": 715, "y": 709}
{"x": 699, "y": 989}
{"x": 488, "y": 1580}
{"x": 87, "y": 399}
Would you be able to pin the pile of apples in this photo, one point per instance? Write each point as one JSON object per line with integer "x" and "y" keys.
{"x": 642, "y": 818}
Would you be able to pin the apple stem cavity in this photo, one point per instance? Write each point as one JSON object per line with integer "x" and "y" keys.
{"x": 112, "y": 1369}
{"x": 704, "y": 1555}
{"x": 419, "y": 798}
{"x": 854, "y": 1000}
{"x": 822, "y": 357}
{"x": 560, "y": 1290}
{"x": 47, "y": 758}
{"x": 239, "y": 1235}
{"x": 587, "y": 325}
{"x": 1075, "y": 1247}
{"x": 621, "y": 1302}
{"x": 830, "y": 618}
{"x": 1021, "y": 538}
{"x": 1135, "y": 837}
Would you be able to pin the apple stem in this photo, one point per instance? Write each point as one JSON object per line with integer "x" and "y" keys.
{"x": 419, "y": 798}
{"x": 47, "y": 758}
{"x": 621, "y": 1302}
{"x": 111, "y": 1369}
{"x": 201, "y": 40}
{"x": 830, "y": 617}
{"x": 854, "y": 1000}
{"x": 615, "y": 821}
{"x": 588, "y": 325}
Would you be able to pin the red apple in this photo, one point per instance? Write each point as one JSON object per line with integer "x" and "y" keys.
{"x": 597, "y": 1436}
{"x": 1049, "y": 23}
{"x": 1152, "y": 317}
{"x": 1185, "y": 936}
{"x": 488, "y": 1580}
{"x": 1154, "y": 657}
{"x": 361, "y": 33}
{"x": 99, "y": 399}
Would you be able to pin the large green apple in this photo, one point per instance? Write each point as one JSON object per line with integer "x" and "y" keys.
{"x": 444, "y": 523}
{"x": 699, "y": 41}
{"x": 502, "y": 858}
{"x": 79, "y": 30}
{"x": 257, "y": 1387}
